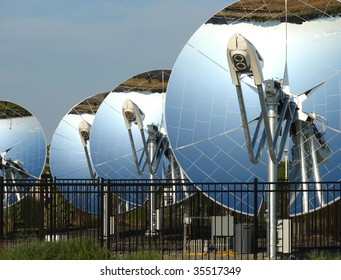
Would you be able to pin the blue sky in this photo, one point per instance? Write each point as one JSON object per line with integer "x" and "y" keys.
{"x": 54, "y": 54}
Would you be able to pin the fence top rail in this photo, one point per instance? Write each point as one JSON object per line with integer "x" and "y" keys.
{"x": 294, "y": 186}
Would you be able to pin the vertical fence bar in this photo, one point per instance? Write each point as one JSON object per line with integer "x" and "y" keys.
{"x": 108, "y": 213}
{"x": 101, "y": 212}
{"x": 97, "y": 198}
{"x": 54, "y": 204}
{"x": 42, "y": 185}
{"x": 336, "y": 236}
{"x": 117, "y": 212}
{"x": 139, "y": 194}
{"x": 50, "y": 218}
{"x": 2, "y": 189}
{"x": 255, "y": 217}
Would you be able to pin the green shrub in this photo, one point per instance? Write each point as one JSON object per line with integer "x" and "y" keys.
{"x": 77, "y": 249}
{"x": 324, "y": 255}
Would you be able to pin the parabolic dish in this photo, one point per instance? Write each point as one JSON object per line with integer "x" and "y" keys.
{"x": 22, "y": 149}
{"x": 111, "y": 149}
{"x": 110, "y": 145}
{"x": 70, "y": 152}
{"x": 202, "y": 111}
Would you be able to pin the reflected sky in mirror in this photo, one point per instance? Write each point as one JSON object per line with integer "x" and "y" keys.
{"x": 70, "y": 150}
{"x": 112, "y": 154}
{"x": 202, "y": 112}
{"x": 111, "y": 149}
{"x": 68, "y": 158}
{"x": 22, "y": 146}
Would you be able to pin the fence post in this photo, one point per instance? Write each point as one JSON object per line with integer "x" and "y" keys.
{"x": 41, "y": 208}
{"x": 101, "y": 213}
{"x": 108, "y": 203}
{"x": 52, "y": 193}
{"x": 2, "y": 208}
{"x": 43, "y": 182}
{"x": 255, "y": 217}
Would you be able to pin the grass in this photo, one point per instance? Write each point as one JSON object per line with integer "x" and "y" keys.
{"x": 76, "y": 249}
{"x": 88, "y": 249}
{"x": 324, "y": 255}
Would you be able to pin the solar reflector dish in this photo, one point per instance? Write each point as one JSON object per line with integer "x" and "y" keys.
{"x": 70, "y": 152}
{"x": 202, "y": 111}
{"x": 111, "y": 149}
{"x": 22, "y": 150}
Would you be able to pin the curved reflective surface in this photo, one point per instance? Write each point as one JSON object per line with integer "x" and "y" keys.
{"x": 70, "y": 151}
{"x": 110, "y": 144}
{"x": 111, "y": 148}
{"x": 22, "y": 149}
{"x": 202, "y": 112}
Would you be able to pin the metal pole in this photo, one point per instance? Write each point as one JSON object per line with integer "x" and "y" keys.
{"x": 173, "y": 176}
{"x": 272, "y": 100}
{"x": 184, "y": 245}
{"x": 152, "y": 203}
{"x": 286, "y": 164}
{"x": 92, "y": 173}
{"x": 316, "y": 171}
{"x": 106, "y": 211}
{"x": 303, "y": 165}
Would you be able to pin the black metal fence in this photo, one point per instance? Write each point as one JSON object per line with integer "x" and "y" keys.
{"x": 176, "y": 219}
